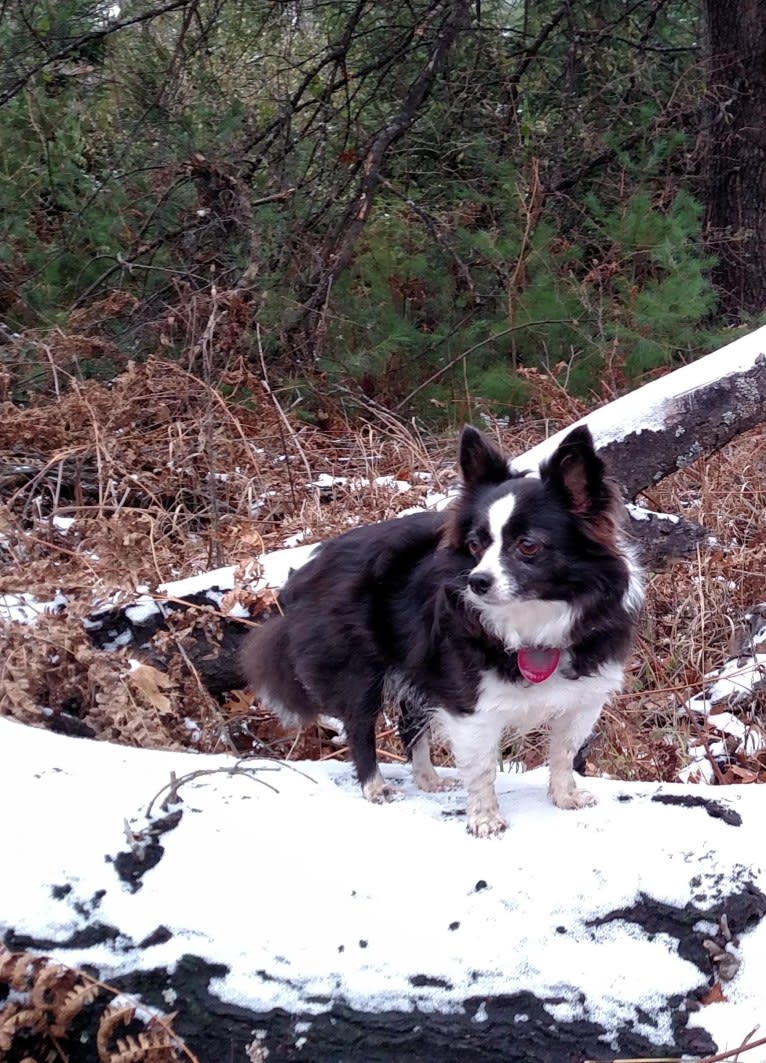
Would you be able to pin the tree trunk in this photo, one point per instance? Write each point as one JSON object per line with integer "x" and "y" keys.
{"x": 734, "y": 144}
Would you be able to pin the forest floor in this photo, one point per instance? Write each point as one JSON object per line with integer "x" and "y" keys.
{"x": 110, "y": 489}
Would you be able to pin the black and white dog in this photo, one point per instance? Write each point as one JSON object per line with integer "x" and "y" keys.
{"x": 513, "y": 608}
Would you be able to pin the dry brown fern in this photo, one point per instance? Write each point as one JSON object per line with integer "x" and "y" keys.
{"x": 15, "y": 1017}
{"x": 114, "y": 1016}
{"x": 156, "y": 1046}
{"x": 54, "y": 995}
{"x": 72, "y": 1003}
{"x": 16, "y": 968}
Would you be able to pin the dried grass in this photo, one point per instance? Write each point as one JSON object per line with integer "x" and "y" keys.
{"x": 166, "y": 475}
{"x": 693, "y": 615}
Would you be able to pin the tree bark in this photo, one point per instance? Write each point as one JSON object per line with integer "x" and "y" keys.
{"x": 734, "y": 145}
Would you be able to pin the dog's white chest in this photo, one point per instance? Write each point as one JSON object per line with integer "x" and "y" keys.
{"x": 524, "y": 706}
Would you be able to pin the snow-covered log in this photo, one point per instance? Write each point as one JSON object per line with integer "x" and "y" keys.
{"x": 210, "y": 646}
{"x": 283, "y": 917}
{"x": 671, "y": 422}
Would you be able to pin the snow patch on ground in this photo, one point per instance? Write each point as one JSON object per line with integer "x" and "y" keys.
{"x": 640, "y": 513}
{"x": 727, "y": 733}
{"x": 62, "y": 524}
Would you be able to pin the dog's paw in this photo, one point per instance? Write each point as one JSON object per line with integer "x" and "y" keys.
{"x": 483, "y": 814}
{"x": 485, "y": 824}
{"x": 573, "y": 798}
{"x": 431, "y": 783}
{"x": 379, "y": 792}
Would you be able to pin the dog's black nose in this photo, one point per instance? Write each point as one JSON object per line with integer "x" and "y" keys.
{"x": 480, "y": 582}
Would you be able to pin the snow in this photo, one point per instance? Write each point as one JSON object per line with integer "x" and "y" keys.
{"x": 25, "y": 608}
{"x": 276, "y": 567}
{"x": 286, "y": 869}
{"x": 641, "y": 513}
{"x": 432, "y": 500}
{"x": 62, "y": 524}
{"x": 217, "y": 578}
{"x": 738, "y": 676}
{"x": 325, "y": 481}
{"x": 278, "y": 564}
{"x": 296, "y": 538}
{"x": 733, "y": 684}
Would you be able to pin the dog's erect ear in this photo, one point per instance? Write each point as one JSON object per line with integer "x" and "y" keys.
{"x": 480, "y": 461}
{"x": 576, "y": 472}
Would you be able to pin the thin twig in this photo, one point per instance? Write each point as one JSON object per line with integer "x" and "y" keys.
{"x": 744, "y": 1047}
{"x": 728, "y": 1054}
{"x": 284, "y": 421}
{"x": 236, "y": 769}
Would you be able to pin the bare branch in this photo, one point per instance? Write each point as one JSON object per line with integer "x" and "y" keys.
{"x": 94, "y": 35}
{"x": 340, "y": 245}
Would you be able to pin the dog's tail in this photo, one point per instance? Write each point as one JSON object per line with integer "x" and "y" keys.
{"x": 265, "y": 663}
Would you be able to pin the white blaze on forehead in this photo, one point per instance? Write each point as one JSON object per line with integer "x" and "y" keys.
{"x": 498, "y": 515}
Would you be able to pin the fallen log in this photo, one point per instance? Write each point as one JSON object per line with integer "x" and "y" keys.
{"x": 669, "y": 424}
{"x": 673, "y": 421}
{"x": 282, "y": 917}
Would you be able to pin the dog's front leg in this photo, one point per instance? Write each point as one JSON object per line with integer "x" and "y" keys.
{"x": 568, "y": 732}
{"x": 483, "y": 811}
{"x": 474, "y": 741}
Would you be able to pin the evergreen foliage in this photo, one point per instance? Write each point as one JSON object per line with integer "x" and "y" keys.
{"x": 535, "y": 209}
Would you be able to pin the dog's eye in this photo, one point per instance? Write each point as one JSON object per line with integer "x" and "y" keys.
{"x": 473, "y": 543}
{"x": 527, "y": 547}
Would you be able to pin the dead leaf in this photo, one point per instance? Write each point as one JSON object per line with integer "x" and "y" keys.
{"x": 744, "y": 774}
{"x": 237, "y": 703}
{"x": 714, "y": 995}
{"x": 151, "y": 682}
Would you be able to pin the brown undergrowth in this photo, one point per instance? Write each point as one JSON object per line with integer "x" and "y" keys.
{"x": 165, "y": 475}
{"x": 693, "y": 619}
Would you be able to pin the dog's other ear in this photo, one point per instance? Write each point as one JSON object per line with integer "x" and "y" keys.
{"x": 479, "y": 460}
{"x": 576, "y": 472}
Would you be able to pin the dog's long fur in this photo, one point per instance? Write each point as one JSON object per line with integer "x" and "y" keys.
{"x": 441, "y": 614}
